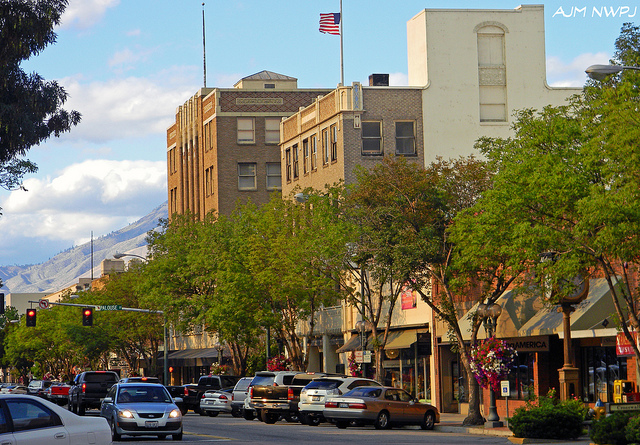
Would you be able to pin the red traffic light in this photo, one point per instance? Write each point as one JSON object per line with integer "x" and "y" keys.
{"x": 87, "y": 316}
{"x": 31, "y": 317}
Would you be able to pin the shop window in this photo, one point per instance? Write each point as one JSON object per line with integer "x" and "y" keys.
{"x": 521, "y": 376}
{"x": 459, "y": 382}
{"x": 600, "y": 367}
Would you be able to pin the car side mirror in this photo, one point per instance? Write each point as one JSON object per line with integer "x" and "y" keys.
{"x": 178, "y": 400}
{"x": 107, "y": 400}
{"x": 412, "y": 402}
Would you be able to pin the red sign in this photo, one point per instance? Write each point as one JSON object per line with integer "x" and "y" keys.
{"x": 409, "y": 298}
{"x": 623, "y": 347}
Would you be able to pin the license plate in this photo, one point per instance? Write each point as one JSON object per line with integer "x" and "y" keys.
{"x": 343, "y": 405}
{"x": 151, "y": 424}
{"x": 315, "y": 398}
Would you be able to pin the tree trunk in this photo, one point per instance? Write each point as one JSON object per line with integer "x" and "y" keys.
{"x": 474, "y": 417}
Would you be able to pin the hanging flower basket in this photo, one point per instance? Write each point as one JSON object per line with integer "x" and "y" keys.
{"x": 491, "y": 360}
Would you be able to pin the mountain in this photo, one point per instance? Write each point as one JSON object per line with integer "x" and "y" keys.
{"x": 65, "y": 268}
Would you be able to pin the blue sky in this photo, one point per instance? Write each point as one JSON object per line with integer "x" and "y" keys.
{"x": 127, "y": 65}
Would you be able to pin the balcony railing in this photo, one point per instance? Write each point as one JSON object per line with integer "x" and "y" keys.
{"x": 328, "y": 321}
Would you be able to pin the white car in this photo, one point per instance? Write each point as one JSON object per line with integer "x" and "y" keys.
{"x": 35, "y": 421}
{"x": 214, "y": 402}
{"x": 312, "y": 396}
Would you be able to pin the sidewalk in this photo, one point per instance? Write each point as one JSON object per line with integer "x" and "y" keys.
{"x": 452, "y": 423}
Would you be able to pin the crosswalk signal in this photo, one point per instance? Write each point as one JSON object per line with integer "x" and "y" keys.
{"x": 87, "y": 316}
{"x": 31, "y": 317}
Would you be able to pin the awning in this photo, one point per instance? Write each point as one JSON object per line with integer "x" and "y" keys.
{"x": 194, "y": 353}
{"x": 395, "y": 340}
{"x": 353, "y": 344}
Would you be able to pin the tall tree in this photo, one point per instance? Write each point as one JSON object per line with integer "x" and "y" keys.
{"x": 30, "y": 107}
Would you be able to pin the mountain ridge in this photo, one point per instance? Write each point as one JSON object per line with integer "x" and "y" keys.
{"x": 66, "y": 267}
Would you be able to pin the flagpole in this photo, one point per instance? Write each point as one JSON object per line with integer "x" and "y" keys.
{"x": 204, "y": 50}
{"x": 341, "y": 57}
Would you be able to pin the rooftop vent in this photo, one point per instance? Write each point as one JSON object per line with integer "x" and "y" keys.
{"x": 379, "y": 80}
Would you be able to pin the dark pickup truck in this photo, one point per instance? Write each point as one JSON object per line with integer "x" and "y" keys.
{"x": 272, "y": 400}
{"x": 89, "y": 388}
{"x": 191, "y": 394}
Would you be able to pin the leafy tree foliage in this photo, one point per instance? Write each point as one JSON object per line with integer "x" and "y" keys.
{"x": 30, "y": 107}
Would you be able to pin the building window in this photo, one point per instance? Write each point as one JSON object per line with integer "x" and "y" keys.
{"x": 206, "y": 136}
{"x": 246, "y": 133}
{"x": 325, "y": 146}
{"x": 405, "y": 138}
{"x": 520, "y": 376}
{"x": 371, "y": 138}
{"x": 600, "y": 368}
{"x": 274, "y": 177}
{"x": 295, "y": 161}
{"x": 272, "y": 130}
{"x": 334, "y": 143}
{"x": 208, "y": 181}
{"x": 269, "y": 85}
{"x": 305, "y": 156}
{"x": 247, "y": 176}
{"x": 172, "y": 161}
{"x": 314, "y": 152}
{"x": 492, "y": 74}
{"x": 173, "y": 201}
{"x": 287, "y": 160}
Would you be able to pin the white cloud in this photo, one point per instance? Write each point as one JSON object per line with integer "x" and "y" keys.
{"x": 85, "y": 13}
{"x": 97, "y": 195}
{"x": 560, "y": 74}
{"x": 128, "y": 107}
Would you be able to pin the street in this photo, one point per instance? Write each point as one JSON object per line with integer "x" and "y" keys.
{"x": 202, "y": 429}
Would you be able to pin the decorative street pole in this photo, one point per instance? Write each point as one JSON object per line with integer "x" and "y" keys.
{"x": 489, "y": 314}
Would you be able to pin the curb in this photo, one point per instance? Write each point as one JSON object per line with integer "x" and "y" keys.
{"x": 478, "y": 430}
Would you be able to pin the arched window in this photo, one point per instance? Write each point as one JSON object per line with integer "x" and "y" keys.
{"x": 492, "y": 73}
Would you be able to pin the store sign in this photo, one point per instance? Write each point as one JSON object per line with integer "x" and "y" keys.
{"x": 623, "y": 347}
{"x": 530, "y": 344}
{"x": 409, "y": 298}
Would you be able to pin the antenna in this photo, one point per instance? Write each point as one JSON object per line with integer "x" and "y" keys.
{"x": 204, "y": 49}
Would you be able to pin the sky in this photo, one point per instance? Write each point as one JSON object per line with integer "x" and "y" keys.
{"x": 127, "y": 65}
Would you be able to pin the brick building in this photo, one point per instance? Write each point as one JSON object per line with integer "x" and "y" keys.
{"x": 223, "y": 145}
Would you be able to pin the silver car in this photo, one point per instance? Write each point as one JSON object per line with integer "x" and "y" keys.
{"x": 312, "y": 396}
{"x": 383, "y": 407}
{"x": 214, "y": 402}
{"x": 141, "y": 409}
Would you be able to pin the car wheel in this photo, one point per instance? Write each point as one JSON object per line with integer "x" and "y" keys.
{"x": 248, "y": 415}
{"x": 291, "y": 418}
{"x": 199, "y": 411}
{"x": 81, "y": 409}
{"x": 382, "y": 421}
{"x": 269, "y": 418}
{"x": 177, "y": 436}
{"x": 428, "y": 421}
{"x": 212, "y": 413}
{"x": 313, "y": 420}
{"x": 235, "y": 412}
{"x": 114, "y": 434}
{"x": 342, "y": 424}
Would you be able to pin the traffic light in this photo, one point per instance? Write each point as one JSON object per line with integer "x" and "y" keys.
{"x": 31, "y": 317}
{"x": 87, "y": 316}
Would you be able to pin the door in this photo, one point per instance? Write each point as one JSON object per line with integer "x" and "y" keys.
{"x": 35, "y": 424}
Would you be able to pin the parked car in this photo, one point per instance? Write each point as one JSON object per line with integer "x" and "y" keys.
{"x": 262, "y": 382}
{"x": 380, "y": 406}
{"x": 239, "y": 394}
{"x": 57, "y": 393}
{"x": 33, "y": 421}
{"x": 312, "y": 396}
{"x": 213, "y": 402}
{"x": 37, "y": 387}
{"x": 141, "y": 409}
{"x": 89, "y": 388}
{"x": 193, "y": 393}
{"x": 18, "y": 389}
{"x": 6, "y": 387}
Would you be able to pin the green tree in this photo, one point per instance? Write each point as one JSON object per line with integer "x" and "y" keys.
{"x": 30, "y": 107}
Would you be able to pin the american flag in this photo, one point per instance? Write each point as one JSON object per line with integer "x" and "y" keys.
{"x": 330, "y": 23}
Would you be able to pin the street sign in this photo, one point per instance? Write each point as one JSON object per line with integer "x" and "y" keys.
{"x": 363, "y": 357}
{"x": 504, "y": 388}
{"x": 110, "y": 307}
{"x": 43, "y": 304}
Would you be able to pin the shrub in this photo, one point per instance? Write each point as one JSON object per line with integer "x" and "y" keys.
{"x": 632, "y": 430}
{"x": 548, "y": 418}
{"x": 611, "y": 429}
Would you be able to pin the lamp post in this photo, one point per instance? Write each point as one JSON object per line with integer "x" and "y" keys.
{"x": 489, "y": 314}
{"x": 601, "y": 72}
{"x": 165, "y": 333}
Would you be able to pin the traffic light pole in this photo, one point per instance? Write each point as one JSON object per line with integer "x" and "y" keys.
{"x": 131, "y": 309}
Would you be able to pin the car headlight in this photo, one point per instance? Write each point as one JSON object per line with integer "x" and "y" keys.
{"x": 175, "y": 413}
{"x": 125, "y": 413}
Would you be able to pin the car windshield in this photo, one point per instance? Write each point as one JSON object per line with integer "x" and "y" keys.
{"x": 100, "y": 377}
{"x": 323, "y": 384}
{"x": 143, "y": 394}
{"x": 364, "y": 391}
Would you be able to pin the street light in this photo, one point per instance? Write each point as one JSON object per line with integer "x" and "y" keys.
{"x": 601, "y": 72}
{"x": 165, "y": 354}
{"x": 489, "y": 314}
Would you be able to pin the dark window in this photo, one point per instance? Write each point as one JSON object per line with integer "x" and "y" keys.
{"x": 600, "y": 367}
{"x": 372, "y": 138}
{"x": 405, "y": 138}
{"x": 323, "y": 384}
{"x": 521, "y": 376}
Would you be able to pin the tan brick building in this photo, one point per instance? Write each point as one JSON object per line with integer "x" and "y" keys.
{"x": 223, "y": 145}
{"x": 348, "y": 127}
